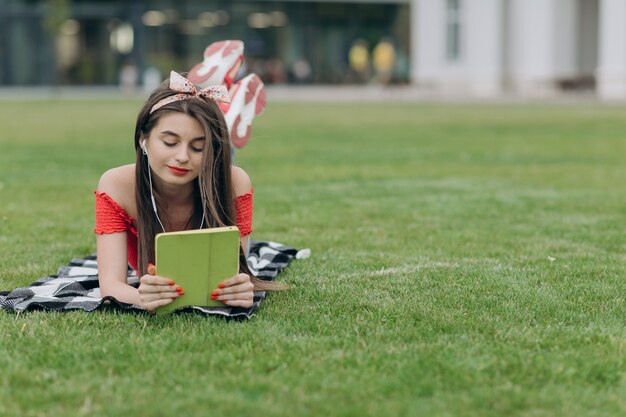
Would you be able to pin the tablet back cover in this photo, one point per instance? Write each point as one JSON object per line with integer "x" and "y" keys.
{"x": 197, "y": 261}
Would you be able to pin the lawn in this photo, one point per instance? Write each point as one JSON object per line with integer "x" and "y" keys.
{"x": 466, "y": 260}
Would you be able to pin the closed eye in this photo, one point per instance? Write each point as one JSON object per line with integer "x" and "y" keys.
{"x": 197, "y": 141}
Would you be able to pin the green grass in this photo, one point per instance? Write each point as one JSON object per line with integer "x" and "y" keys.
{"x": 429, "y": 291}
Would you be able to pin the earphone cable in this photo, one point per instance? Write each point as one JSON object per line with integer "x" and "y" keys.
{"x": 154, "y": 205}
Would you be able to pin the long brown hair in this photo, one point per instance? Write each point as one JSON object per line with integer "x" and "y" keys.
{"x": 213, "y": 192}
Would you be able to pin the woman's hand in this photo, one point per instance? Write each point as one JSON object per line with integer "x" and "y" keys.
{"x": 235, "y": 291}
{"x": 156, "y": 291}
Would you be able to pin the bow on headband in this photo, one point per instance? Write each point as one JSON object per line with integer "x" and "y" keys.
{"x": 186, "y": 89}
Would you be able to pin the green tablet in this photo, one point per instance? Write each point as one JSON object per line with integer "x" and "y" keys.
{"x": 198, "y": 261}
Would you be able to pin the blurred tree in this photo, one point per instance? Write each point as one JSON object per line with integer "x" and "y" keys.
{"x": 58, "y": 12}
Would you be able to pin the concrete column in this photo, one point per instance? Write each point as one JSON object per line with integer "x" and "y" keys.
{"x": 427, "y": 42}
{"x": 542, "y": 38}
{"x": 611, "y": 74}
{"x": 483, "y": 32}
{"x": 478, "y": 69}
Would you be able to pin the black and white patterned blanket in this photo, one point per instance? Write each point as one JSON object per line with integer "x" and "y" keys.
{"x": 75, "y": 286}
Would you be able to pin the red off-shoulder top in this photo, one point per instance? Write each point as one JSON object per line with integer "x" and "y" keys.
{"x": 112, "y": 218}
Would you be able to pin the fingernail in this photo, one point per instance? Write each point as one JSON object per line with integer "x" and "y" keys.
{"x": 221, "y": 286}
{"x": 173, "y": 298}
{"x": 223, "y": 301}
{"x": 216, "y": 293}
{"x": 214, "y": 297}
{"x": 172, "y": 283}
{"x": 181, "y": 292}
{"x": 178, "y": 288}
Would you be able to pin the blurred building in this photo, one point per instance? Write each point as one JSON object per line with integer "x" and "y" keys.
{"x": 470, "y": 47}
{"x": 524, "y": 47}
{"x": 99, "y": 42}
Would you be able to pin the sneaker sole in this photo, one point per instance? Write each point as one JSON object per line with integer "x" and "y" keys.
{"x": 254, "y": 101}
{"x": 220, "y": 59}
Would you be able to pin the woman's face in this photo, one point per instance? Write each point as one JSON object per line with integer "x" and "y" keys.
{"x": 175, "y": 148}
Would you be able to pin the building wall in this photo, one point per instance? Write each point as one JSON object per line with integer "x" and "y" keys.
{"x": 541, "y": 55}
{"x": 523, "y": 47}
{"x": 587, "y": 41}
{"x": 484, "y": 46}
{"x": 478, "y": 68}
{"x": 277, "y": 34}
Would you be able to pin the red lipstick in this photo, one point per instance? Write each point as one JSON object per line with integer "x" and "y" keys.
{"x": 178, "y": 171}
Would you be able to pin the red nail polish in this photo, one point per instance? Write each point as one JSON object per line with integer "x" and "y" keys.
{"x": 181, "y": 293}
{"x": 215, "y": 293}
{"x": 172, "y": 283}
{"x": 214, "y": 297}
{"x": 223, "y": 301}
{"x": 221, "y": 286}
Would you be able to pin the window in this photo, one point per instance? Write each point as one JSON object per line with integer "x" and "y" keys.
{"x": 453, "y": 30}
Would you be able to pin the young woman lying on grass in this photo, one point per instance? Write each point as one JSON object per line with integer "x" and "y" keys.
{"x": 183, "y": 165}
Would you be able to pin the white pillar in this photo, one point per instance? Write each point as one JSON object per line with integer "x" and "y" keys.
{"x": 542, "y": 49}
{"x": 478, "y": 69}
{"x": 611, "y": 74}
{"x": 428, "y": 40}
{"x": 483, "y": 31}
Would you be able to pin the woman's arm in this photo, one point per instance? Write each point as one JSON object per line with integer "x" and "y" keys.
{"x": 153, "y": 292}
{"x": 244, "y": 243}
{"x": 113, "y": 266}
{"x": 112, "y": 249}
{"x": 238, "y": 290}
{"x": 242, "y": 185}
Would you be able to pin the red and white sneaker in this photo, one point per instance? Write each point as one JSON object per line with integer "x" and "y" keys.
{"x": 221, "y": 64}
{"x": 247, "y": 100}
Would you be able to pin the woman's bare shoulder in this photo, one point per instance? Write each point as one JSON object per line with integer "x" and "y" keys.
{"x": 119, "y": 184}
{"x": 241, "y": 181}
